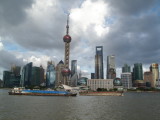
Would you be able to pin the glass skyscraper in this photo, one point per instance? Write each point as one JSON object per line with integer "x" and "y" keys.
{"x": 26, "y": 75}
{"x": 126, "y": 68}
{"x": 138, "y": 71}
{"x": 59, "y": 77}
{"x": 92, "y": 75}
{"x": 12, "y": 78}
{"x": 74, "y": 75}
{"x": 99, "y": 63}
{"x": 6, "y": 78}
{"x": 35, "y": 76}
{"x": 126, "y": 80}
{"x": 50, "y": 75}
{"x": 73, "y": 67}
{"x": 111, "y": 69}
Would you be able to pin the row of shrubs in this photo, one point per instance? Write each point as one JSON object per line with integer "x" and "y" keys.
{"x": 104, "y": 89}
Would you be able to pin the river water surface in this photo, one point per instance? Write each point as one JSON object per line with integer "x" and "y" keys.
{"x": 132, "y": 106}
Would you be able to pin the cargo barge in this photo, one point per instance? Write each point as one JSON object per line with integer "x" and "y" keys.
{"x": 101, "y": 94}
{"x": 19, "y": 91}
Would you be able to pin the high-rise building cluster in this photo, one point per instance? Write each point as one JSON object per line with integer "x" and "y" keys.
{"x": 12, "y": 78}
{"x": 32, "y": 76}
{"x": 55, "y": 75}
{"x": 129, "y": 79}
{"x": 99, "y": 71}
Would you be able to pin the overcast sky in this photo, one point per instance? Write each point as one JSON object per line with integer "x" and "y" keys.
{"x": 33, "y": 30}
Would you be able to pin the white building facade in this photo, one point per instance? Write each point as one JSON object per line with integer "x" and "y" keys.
{"x": 93, "y": 84}
{"x": 126, "y": 80}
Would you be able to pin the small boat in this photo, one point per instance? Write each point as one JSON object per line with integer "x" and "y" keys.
{"x": 22, "y": 91}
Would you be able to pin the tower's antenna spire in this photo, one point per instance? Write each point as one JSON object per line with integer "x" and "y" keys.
{"x": 67, "y": 27}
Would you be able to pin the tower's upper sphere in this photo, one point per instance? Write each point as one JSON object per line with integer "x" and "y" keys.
{"x": 67, "y": 38}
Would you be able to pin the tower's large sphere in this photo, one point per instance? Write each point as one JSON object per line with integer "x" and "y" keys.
{"x": 66, "y": 72}
{"x": 67, "y": 38}
{"x": 117, "y": 82}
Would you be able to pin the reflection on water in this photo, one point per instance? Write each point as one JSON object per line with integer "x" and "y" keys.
{"x": 133, "y": 106}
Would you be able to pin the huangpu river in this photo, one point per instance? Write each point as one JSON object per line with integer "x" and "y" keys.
{"x": 131, "y": 106}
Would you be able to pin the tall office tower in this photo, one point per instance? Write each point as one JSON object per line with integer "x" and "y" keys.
{"x": 126, "y": 80}
{"x": 111, "y": 73}
{"x": 73, "y": 67}
{"x": 35, "y": 80}
{"x": 99, "y": 63}
{"x": 16, "y": 70}
{"x": 92, "y": 75}
{"x": 67, "y": 40}
{"x": 12, "y": 78}
{"x": 42, "y": 79}
{"x": 111, "y": 69}
{"x": 155, "y": 70}
{"x": 6, "y": 78}
{"x": 26, "y": 75}
{"x": 74, "y": 75}
{"x": 1, "y": 83}
{"x": 126, "y": 68}
{"x": 148, "y": 79}
{"x": 80, "y": 74}
{"x": 50, "y": 75}
{"x": 138, "y": 71}
{"x": 59, "y": 77}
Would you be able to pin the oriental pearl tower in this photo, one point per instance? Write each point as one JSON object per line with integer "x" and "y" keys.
{"x": 67, "y": 39}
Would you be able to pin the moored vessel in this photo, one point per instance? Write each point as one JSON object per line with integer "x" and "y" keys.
{"x": 101, "y": 94}
{"x": 22, "y": 91}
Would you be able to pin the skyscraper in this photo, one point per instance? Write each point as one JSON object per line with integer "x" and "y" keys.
{"x": 6, "y": 78}
{"x": 35, "y": 81}
{"x": 126, "y": 68}
{"x": 148, "y": 79}
{"x": 16, "y": 70}
{"x": 92, "y": 75}
{"x": 26, "y": 75}
{"x": 12, "y": 78}
{"x": 126, "y": 80}
{"x": 155, "y": 71}
{"x": 42, "y": 79}
{"x": 73, "y": 67}
{"x": 99, "y": 63}
{"x": 138, "y": 71}
{"x": 111, "y": 69}
{"x": 59, "y": 78}
{"x": 67, "y": 40}
{"x": 50, "y": 75}
{"x": 74, "y": 75}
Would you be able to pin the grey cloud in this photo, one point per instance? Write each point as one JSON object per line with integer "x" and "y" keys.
{"x": 70, "y": 4}
{"x": 133, "y": 37}
{"x": 8, "y": 59}
{"x": 13, "y": 11}
{"x": 134, "y": 40}
{"x": 131, "y": 7}
{"x": 41, "y": 35}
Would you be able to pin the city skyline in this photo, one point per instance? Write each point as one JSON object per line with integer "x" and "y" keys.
{"x": 32, "y": 31}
